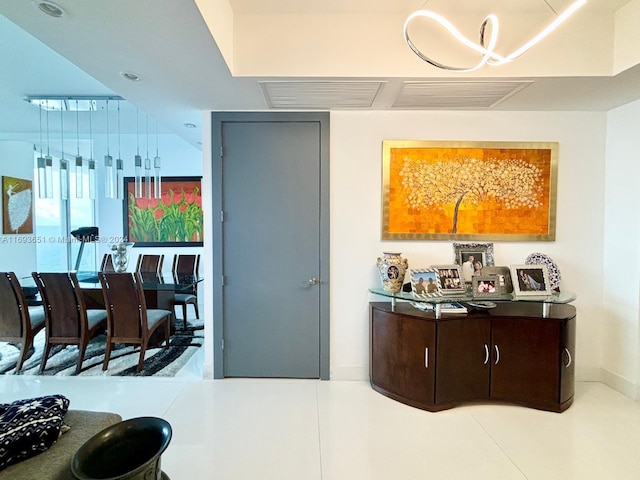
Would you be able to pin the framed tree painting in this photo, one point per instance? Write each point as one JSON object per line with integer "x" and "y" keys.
{"x": 17, "y": 205}
{"x": 469, "y": 191}
{"x": 173, "y": 219}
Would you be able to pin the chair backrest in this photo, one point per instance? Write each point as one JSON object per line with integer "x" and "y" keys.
{"x": 150, "y": 263}
{"x": 64, "y": 307}
{"x": 14, "y": 312}
{"x": 186, "y": 264}
{"x": 107, "y": 263}
{"x": 125, "y": 304}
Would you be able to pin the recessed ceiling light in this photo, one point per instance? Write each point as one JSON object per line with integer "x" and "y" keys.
{"x": 190, "y": 125}
{"x": 131, "y": 76}
{"x": 51, "y": 9}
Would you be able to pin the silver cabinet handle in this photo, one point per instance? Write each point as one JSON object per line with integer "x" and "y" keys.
{"x": 311, "y": 281}
{"x": 486, "y": 354}
{"x": 569, "y": 358}
{"x": 426, "y": 357}
{"x": 497, "y": 354}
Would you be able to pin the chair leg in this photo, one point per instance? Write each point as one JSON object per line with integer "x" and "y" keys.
{"x": 195, "y": 305}
{"x": 107, "y": 355}
{"x": 184, "y": 314}
{"x": 143, "y": 349}
{"x": 26, "y": 345}
{"x": 82, "y": 348}
{"x": 167, "y": 328}
{"x": 45, "y": 354}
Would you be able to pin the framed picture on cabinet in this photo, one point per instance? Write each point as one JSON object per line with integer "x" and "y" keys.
{"x": 425, "y": 283}
{"x": 450, "y": 278}
{"x": 472, "y": 257}
{"x": 485, "y": 286}
{"x": 530, "y": 280}
{"x": 504, "y": 277}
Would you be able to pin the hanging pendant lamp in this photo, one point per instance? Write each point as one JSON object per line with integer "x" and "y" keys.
{"x": 41, "y": 166}
{"x": 48, "y": 168}
{"x": 138, "y": 160}
{"x": 157, "y": 177}
{"x": 147, "y": 165}
{"x": 64, "y": 165}
{"x": 79, "y": 162}
{"x": 109, "y": 170}
{"x": 119, "y": 165}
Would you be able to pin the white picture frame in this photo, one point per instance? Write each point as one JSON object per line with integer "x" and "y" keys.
{"x": 425, "y": 283}
{"x": 450, "y": 279}
{"x": 530, "y": 280}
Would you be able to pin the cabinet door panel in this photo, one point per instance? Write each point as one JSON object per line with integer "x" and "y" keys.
{"x": 568, "y": 367}
{"x": 525, "y": 364}
{"x": 462, "y": 359}
{"x": 402, "y": 355}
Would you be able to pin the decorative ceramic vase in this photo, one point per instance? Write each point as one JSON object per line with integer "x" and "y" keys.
{"x": 121, "y": 256}
{"x": 392, "y": 268}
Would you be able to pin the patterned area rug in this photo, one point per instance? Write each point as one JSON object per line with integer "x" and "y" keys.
{"x": 159, "y": 361}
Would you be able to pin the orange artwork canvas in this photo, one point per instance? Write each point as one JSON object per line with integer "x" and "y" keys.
{"x": 469, "y": 190}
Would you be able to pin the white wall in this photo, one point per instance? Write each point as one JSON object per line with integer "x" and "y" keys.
{"x": 16, "y": 160}
{"x": 356, "y": 167}
{"x": 621, "y": 335}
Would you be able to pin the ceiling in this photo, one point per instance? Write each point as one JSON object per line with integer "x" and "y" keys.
{"x": 174, "y": 46}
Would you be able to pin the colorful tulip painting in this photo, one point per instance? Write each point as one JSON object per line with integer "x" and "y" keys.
{"x": 175, "y": 217}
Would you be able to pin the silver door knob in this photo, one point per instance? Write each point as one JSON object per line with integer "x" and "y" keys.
{"x": 311, "y": 281}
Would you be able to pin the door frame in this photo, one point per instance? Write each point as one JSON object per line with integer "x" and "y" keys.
{"x": 217, "y": 121}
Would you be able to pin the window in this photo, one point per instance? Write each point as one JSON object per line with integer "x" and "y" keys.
{"x": 56, "y": 249}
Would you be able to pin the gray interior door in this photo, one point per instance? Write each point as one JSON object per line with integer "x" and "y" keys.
{"x": 273, "y": 264}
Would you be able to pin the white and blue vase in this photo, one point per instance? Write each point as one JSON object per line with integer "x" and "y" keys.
{"x": 392, "y": 268}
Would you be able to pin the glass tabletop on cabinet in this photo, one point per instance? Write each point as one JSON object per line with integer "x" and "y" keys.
{"x": 555, "y": 297}
{"x": 438, "y": 301}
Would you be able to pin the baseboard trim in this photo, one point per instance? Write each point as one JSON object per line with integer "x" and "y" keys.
{"x": 621, "y": 384}
{"x": 349, "y": 373}
{"x": 207, "y": 370}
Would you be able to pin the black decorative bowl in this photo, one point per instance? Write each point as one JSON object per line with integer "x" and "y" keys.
{"x": 128, "y": 450}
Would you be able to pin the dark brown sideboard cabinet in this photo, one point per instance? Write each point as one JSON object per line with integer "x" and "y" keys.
{"x": 507, "y": 354}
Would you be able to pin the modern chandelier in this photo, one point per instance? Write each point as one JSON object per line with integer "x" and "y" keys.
{"x": 486, "y": 50}
{"x": 113, "y": 169}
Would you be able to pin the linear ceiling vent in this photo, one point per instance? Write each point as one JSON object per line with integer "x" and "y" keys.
{"x": 447, "y": 95}
{"x": 320, "y": 95}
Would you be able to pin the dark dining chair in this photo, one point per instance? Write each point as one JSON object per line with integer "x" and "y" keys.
{"x": 67, "y": 320}
{"x": 184, "y": 267}
{"x": 107, "y": 263}
{"x": 149, "y": 263}
{"x": 129, "y": 321}
{"x": 19, "y": 323}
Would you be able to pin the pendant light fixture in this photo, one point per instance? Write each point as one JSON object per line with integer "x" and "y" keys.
{"x": 119, "y": 165}
{"x": 486, "y": 51}
{"x": 78, "y": 170}
{"x": 109, "y": 170}
{"x": 92, "y": 163}
{"x": 41, "y": 166}
{"x": 48, "y": 168}
{"x": 64, "y": 165}
{"x": 147, "y": 165}
{"x": 138, "y": 160}
{"x": 157, "y": 178}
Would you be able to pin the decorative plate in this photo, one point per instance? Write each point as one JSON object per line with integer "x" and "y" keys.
{"x": 554, "y": 271}
{"x": 482, "y": 305}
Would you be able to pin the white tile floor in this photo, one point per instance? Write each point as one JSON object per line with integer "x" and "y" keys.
{"x": 311, "y": 430}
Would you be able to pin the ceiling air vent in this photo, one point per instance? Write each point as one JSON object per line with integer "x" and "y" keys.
{"x": 320, "y": 95}
{"x": 465, "y": 95}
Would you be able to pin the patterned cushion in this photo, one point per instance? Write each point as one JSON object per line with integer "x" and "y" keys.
{"x": 29, "y": 427}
